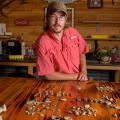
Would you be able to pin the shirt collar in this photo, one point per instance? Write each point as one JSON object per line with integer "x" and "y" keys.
{"x": 51, "y": 34}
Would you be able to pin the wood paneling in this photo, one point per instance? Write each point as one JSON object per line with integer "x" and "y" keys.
{"x": 33, "y": 11}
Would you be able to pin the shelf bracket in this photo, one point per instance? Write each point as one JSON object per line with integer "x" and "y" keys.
{"x": 97, "y": 27}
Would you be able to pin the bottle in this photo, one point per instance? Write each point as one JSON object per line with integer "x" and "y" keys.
{"x": 1, "y": 48}
{"x": 23, "y": 52}
{"x": 23, "y": 48}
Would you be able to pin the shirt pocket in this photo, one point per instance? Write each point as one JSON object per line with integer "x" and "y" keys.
{"x": 74, "y": 52}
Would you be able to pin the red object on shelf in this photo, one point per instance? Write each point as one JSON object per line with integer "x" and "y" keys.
{"x": 22, "y": 22}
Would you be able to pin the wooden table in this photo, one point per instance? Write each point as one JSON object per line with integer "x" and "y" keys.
{"x": 57, "y": 98}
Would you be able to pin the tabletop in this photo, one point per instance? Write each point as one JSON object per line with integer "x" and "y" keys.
{"x": 31, "y": 99}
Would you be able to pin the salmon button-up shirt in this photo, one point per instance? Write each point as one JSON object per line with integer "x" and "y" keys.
{"x": 63, "y": 56}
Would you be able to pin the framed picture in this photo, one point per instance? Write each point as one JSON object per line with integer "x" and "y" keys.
{"x": 95, "y": 3}
{"x": 70, "y": 20}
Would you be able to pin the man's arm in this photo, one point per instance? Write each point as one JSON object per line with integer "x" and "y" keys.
{"x": 82, "y": 76}
{"x": 60, "y": 76}
{"x": 83, "y": 63}
{"x": 83, "y": 68}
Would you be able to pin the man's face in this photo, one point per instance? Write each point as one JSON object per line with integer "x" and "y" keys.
{"x": 57, "y": 21}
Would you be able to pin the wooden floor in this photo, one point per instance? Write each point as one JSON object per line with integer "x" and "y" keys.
{"x": 30, "y": 99}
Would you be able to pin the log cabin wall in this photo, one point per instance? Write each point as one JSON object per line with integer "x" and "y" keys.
{"x": 105, "y": 20}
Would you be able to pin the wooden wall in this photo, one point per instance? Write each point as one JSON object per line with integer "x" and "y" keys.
{"x": 104, "y": 20}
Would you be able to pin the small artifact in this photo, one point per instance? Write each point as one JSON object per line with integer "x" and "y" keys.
{"x": 3, "y": 108}
{"x": 116, "y": 115}
{"x": 1, "y": 117}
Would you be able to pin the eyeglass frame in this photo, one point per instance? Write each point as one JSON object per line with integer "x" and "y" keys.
{"x": 54, "y": 17}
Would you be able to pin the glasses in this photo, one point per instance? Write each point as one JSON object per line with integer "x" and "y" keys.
{"x": 60, "y": 18}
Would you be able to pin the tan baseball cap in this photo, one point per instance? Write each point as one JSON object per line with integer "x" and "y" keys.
{"x": 56, "y": 6}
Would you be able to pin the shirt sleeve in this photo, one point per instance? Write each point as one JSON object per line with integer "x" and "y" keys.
{"x": 43, "y": 59}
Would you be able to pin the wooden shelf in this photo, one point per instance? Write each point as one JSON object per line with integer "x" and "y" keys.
{"x": 5, "y": 36}
{"x": 101, "y": 22}
{"x": 109, "y": 39}
{"x": 31, "y": 65}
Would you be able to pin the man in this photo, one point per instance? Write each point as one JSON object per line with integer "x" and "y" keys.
{"x": 60, "y": 52}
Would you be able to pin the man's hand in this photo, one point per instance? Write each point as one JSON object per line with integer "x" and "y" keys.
{"x": 82, "y": 76}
